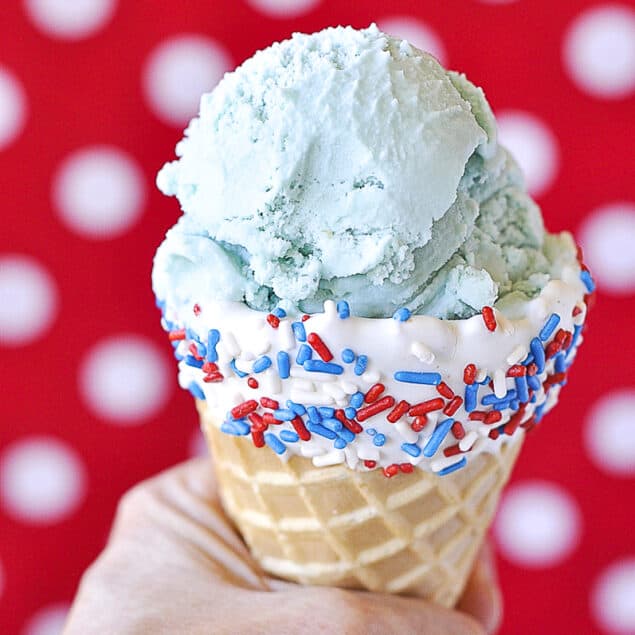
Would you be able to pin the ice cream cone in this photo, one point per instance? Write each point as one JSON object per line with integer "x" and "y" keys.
{"x": 416, "y": 533}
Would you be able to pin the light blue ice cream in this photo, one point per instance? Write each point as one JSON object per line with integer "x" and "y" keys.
{"x": 349, "y": 165}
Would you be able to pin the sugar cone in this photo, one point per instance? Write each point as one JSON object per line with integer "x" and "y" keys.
{"x": 415, "y": 533}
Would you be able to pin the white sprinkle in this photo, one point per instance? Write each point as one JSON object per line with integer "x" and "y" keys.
{"x": 309, "y": 451}
{"x": 230, "y": 344}
{"x": 348, "y": 387}
{"x": 270, "y": 382}
{"x": 334, "y": 391}
{"x": 302, "y": 384}
{"x": 467, "y": 441}
{"x": 262, "y": 345}
{"x": 422, "y": 352}
{"x": 481, "y": 374}
{"x": 539, "y": 307}
{"x": 330, "y": 309}
{"x": 517, "y": 355}
{"x": 244, "y": 363}
{"x": 351, "y": 457}
{"x": 246, "y": 356}
{"x": 438, "y": 464}
{"x": 311, "y": 398}
{"x": 368, "y": 454}
{"x": 236, "y": 398}
{"x": 371, "y": 376}
{"x": 505, "y": 324}
{"x": 500, "y": 383}
{"x": 286, "y": 337}
{"x": 331, "y": 458}
{"x": 296, "y": 371}
{"x": 407, "y": 433}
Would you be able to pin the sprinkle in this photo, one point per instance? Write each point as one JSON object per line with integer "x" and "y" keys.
{"x": 347, "y": 356}
{"x": 274, "y": 320}
{"x": 289, "y": 436}
{"x": 419, "y": 423}
{"x": 532, "y": 369}
{"x": 284, "y": 414}
{"x": 320, "y": 347}
{"x": 349, "y": 424}
{"x": 485, "y": 378}
{"x": 314, "y": 415}
{"x": 471, "y": 397}
{"x": 422, "y": 352}
{"x": 252, "y": 382}
{"x": 175, "y": 336}
{"x": 549, "y": 327}
{"x": 196, "y": 391}
{"x": 406, "y": 468}
{"x": 298, "y": 331}
{"x": 494, "y": 434}
{"x": 431, "y": 379}
{"x": 469, "y": 374}
{"x": 539, "y": 411}
{"x": 465, "y": 444}
{"x": 199, "y": 350}
{"x": 514, "y": 422}
{"x": 318, "y": 428}
{"x": 379, "y": 440}
{"x": 350, "y": 412}
{"x": 210, "y": 367}
{"x": 519, "y": 353}
{"x": 213, "y": 337}
{"x": 426, "y": 406}
{"x": 343, "y": 310}
{"x": 453, "y": 406}
{"x": 300, "y": 428}
{"x": 398, "y": 411}
{"x": 489, "y": 318}
{"x": 564, "y": 337}
{"x": 298, "y": 408}
{"x": 539, "y": 354}
{"x": 305, "y": 353}
{"x": 587, "y": 280}
{"x": 270, "y": 420}
{"x": 196, "y": 309}
{"x": 272, "y": 404}
{"x": 391, "y": 470}
{"x": 318, "y": 366}
{"x": 257, "y": 422}
{"x": 371, "y": 432}
{"x": 242, "y": 410}
{"x": 500, "y": 383}
{"x": 360, "y": 365}
{"x": 258, "y": 438}
{"x": 374, "y": 392}
{"x": 557, "y": 378}
{"x": 440, "y": 432}
{"x": 213, "y": 378}
{"x": 332, "y": 424}
{"x": 477, "y": 415}
{"x": 190, "y": 360}
{"x": 533, "y": 382}
{"x": 357, "y": 399}
{"x": 375, "y": 408}
{"x": 411, "y": 448}
{"x": 284, "y": 364}
{"x": 576, "y": 311}
{"x": 305, "y": 317}
{"x": 458, "y": 430}
{"x": 492, "y": 417}
{"x": 340, "y": 443}
{"x": 452, "y": 450}
{"x": 236, "y": 428}
{"x": 279, "y": 313}
{"x": 261, "y": 364}
{"x": 453, "y": 468}
{"x": 370, "y": 464}
{"x": 492, "y": 399}
{"x": 402, "y": 315}
{"x": 522, "y": 389}
{"x": 235, "y": 368}
{"x": 274, "y": 443}
{"x": 560, "y": 364}
{"x": 445, "y": 390}
{"x": 326, "y": 411}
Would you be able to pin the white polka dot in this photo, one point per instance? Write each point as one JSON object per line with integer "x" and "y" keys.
{"x": 538, "y": 524}
{"x": 12, "y": 108}
{"x": 613, "y": 598}
{"x": 70, "y": 20}
{"x": 42, "y": 479}
{"x": 125, "y": 379}
{"x": 28, "y": 300}
{"x": 533, "y": 145}
{"x": 198, "y": 445}
{"x": 417, "y": 33}
{"x": 599, "y": 51}
{"x": 607, "y": 237}
{"x": 284, "y": 8}
{"x": 610, "y": 433}
{"x": 49, "y": 620}
{"x": 178, "y": 72}
{"x": 99, "y": 192}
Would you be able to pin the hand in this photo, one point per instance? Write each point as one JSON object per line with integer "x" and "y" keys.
{"x": 174, "y": 564}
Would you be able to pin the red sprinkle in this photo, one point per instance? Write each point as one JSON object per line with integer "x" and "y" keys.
{"x": 243, "y": 409}
{"x": 553, "y": 348}
{"x": 375, "y": 408}
{"x": 406, "y": 468}
{"x": 517, "y": 370}
{"x": 576, "y": 311}
{"x": 252, "y": 382}
{"x": 445, "y": 390}
{"x": 194, "y": 351}
{"x": 272, "y": 404}
{"x": 391, "y": 470}
{"x": 353, "y": 426}
{"x": 174, "y": 336}
{"x": 532, "y": 369}
{"x": 320, "y": 347}
{"x": 305, "y": 317}
{"x": 197, "y": 309}
{"x": 300, "y": 428}
{"x": 556, "y": 378}
{"x": 212, "y": 378}
{"x": 477, "y": 415}
{"x": 494, "y": 416}
{"x": 529, "y": 424}
{"x": 458, "y": 430}
{"x": 426, "y": 406}
{"x": 270, "y": 420}
{"x": 419, "y": 423}
{"x": 494, "y": 434}
{"x": 398, "y": 411}
{"x": 469, "y": 374}
{"x": 452, "y": 450}
{"x": 453, "y": 406}
{"x": 209, "y": 367}
{"x": 488, "y": 317}
{"x": 258, "y": 438}
{"x": 370, "y": 464}
{"x": 273, "y": 320}
{"x": 257, "y": 422}
{"x": 374, "y": 392}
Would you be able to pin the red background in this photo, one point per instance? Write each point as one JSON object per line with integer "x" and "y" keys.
{"x": 89, "y": 92}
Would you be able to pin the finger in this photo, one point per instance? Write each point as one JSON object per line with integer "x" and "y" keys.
{"x": 482, "y": 596}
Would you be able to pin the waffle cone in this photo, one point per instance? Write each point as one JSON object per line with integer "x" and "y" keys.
{"x": 415, "y": 533}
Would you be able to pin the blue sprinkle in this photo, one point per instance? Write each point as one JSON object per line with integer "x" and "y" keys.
{"x": 485, "y": 381}
{"x": 289, "y": 436}
{"x": 318, "y": 428}
{"x": 190, "y": 360}
{"x": 379, "y": 440}
{"x": 514, "y": 404}
{"x": 340, "y": 443}
{"x": 274, "y": 443}
{"x": 213, "y": 337}
{"x": 298, "y": 331}
{"x": 262, "y": 363}
{"x": 284, "y": 365}
{"x": 348, "y": 356}
{"x": 314, "y": 415}
{"x": 560, "y": 363}
{"x": 471, "y": 395}
{"x": 431, "y": 379}
{"x": 533, "y": 399}
{"x": 577, "y": 329}
{"x": 521, "y": 388}
{"x": 228, "y": 428}
{"x": 284, "y": 415}
{"x": 411, "y": 448}
{"x": 539, "y": 411}
{"x": 539, "y": 353}
{"x": 178, "y": 356}
{"x": 402, "y": 315}
{"x": 343, "y": 310}
{"x": 304, "y": 353}
{"x": 191, "y": 335}
{"x": 549, "y": 327}
{"x": 490, "y": 399}
{"x": 279, "y": 313}
{"x": 238, "y": 428}
{"x": 350, "y": 412}
{"x": 298, "y": 408}
{"x": 453, "y": 468}
{"x": 201, "y": 349}
{"x": 332, "y": 424}
{"x": 233, "y": 366}
{"x": 503, "y": 405}
{"x": 326, "y": 411}
{"x": 360, "y": 365}
{"x": 440, "y": 432}
{"x": 371, "y": 432}
{"x": 318, "y": 366}
{"x": 357, "y": 399}
{"x": 586, "y": 278}
{"x": 347, "y": 435}
{"x": 527, "y": 360}
{"x": 533, "y": 382}
{"x": 196, "y": 391}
